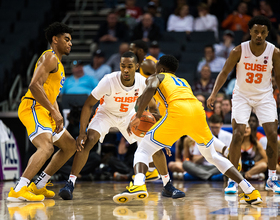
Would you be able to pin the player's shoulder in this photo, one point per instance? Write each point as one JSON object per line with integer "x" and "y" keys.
{"x": 276, "y": 52}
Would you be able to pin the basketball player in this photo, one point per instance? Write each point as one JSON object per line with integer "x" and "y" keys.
{"x": 117, "y": 93}
{"x": 254, "y": 62}
{"x": 185, "y": 115}
{"x": 39, "y": 113}
{"x": 147, "y": 67}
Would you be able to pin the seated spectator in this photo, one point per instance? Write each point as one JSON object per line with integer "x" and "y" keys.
{"x": 217, "y": 110}
{"x": 111, "y": 30}
{"x": 230, "y": 87}
{"x": 254, "y": 124}
{"x": 130, "y": 22}
{"x": 154, "y": 50}
{"x": 78, "y": 82}
{"x": 238, "y": 20}
{"x": 97, "y": 68}
{"x": 146, "y": 29}
{"x": 205, "y": 84}
{"x": 215, "y": 125}
{"x": 253, "y": 156}
{"x": 226, "y": 110}
{"x": 181, "y": 20}
{"x": 114, "y": 60}
{"x": 158, "y": 20}
{"x": 132, "y": 10}
{"x": 215, "y": 63}
{"x": 196, "y": 166}
{"x": 224, "y": 47}
{"x": 206, "y": 21}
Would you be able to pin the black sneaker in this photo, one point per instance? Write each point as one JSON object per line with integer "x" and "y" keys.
{"x": 170, "y": 191}
{"x": 66, "y": 192}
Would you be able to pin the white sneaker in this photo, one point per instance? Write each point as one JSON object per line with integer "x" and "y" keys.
{"x": 272, "y": 183}
{"x": 231, "y": 188}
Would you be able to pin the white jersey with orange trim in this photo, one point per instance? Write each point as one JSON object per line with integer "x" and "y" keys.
{"x": 115, "y": 98}
{"x": 253, "y": 74}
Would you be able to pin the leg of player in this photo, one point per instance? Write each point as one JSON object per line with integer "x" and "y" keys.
{"x": 238, "y": 131}
{"x": 44, "y": 145}
{"x": 272, "y": 182}
{"x": 169, "y": 190}
{"x": 79, "y": 162}
{"x": 251, "y": 195}
{"x": 67, "y": 146}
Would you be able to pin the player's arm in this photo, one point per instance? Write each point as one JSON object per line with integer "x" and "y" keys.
{"x": 148, "y": 67}
{"x": 84, "y": 119}
{"x": 232, "y": 60}
{"x": 152, "y": 84}
{"x": 276, "y": 66}
{"x": 46, "y": 65}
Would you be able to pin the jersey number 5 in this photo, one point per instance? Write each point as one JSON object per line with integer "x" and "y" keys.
{"x": 124, "y": 107}
{"x": 256, "y": 78}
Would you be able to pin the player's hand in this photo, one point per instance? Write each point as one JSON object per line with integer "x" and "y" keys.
{"x": 157, "y": 116}
{"x": 57, "y": 117}
{"x": 168, "y": 151}
{"x": 135, "y": 122}
{"x": 81, "y": 140}
{"x": 210, "y": 102}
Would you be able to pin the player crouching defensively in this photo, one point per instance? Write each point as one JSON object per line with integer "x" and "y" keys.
{"x": 184, "y": 115}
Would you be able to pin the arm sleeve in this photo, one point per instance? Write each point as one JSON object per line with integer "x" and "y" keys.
{"x": 102, "y": 88}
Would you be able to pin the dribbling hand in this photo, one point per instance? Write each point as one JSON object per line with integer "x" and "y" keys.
{"x": 135, "y": 122}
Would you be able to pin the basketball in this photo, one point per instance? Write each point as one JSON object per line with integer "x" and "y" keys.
{"x": 147, "y": 120}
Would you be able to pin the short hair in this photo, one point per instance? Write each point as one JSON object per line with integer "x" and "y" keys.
{"x": 130, "y": 55}
{"x": 55, "y": 29}
{"x": 141, "y": 44}
{"x": 169, "y": 62}
{"x": 210, "y": 45}
{"x": 215, "y": 119}
{"x": 262, "y": 20}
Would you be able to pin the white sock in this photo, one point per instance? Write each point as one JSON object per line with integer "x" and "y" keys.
{"x": 230, "y": 180}
{"x": 41, "y": 181}
{"x": 246, "y": 186}
{"x": 165, "y": 179}
{"x": 139, "y": 179}
{"x": 21, "y": 183}
{"x": 151, "y": 169}
{"x": 271, "y": 173}
{"x": 73, "y": 179}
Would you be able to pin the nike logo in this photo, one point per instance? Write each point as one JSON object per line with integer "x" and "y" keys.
{"x": 247, "y": 57}
{"x": 118, "y": 93}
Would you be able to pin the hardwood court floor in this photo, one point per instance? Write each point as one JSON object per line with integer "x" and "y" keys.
{"x": 93, "y": 200}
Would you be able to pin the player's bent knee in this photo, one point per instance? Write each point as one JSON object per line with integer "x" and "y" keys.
{"x": 91, "y": 140}
{"x": 48, "y": 151}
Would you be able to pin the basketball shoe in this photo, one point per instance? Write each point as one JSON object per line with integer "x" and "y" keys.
{"x": 252, "y": 198}
{"x": 231, "y": 188}
{"x": 66, "y": 192}
{"x": 44, "y": 191}
{"x": 131, "y": 193}
{"x": 170, "y": 191}
{"x": 272, "y": 183}
{"x": 151, "y": 176}
{"x": 23, "y": 195}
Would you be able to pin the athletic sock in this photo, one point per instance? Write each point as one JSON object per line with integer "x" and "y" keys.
{"x": 21, "y": 183}
{"x": 41, "y": 181}
{"x": 73, "y": 178}
{"x": 165, "y": 179}
{"x": 246, "y": 186}
{"x": 271, "y": 173}
{"x": 139, "y": 179}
